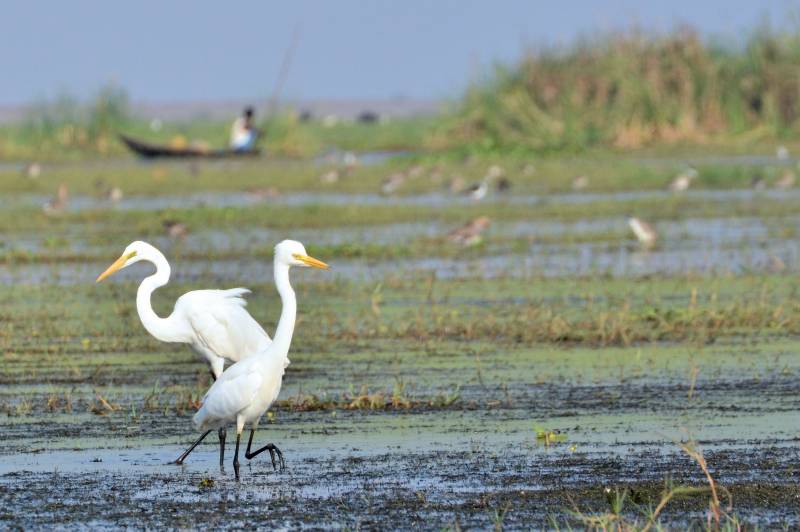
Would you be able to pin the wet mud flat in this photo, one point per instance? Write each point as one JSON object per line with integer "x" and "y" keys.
{"x": 474, "y": 464}
{"x": 430, "y": 489}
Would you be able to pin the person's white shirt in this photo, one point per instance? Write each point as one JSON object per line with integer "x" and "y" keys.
{"x": 242, "y": 137}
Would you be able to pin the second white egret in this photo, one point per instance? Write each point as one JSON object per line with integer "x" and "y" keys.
{"x": 248, "y": 388}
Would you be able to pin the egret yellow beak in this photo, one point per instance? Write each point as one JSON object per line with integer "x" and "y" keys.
{"x": 118, "y": 265}
{"x": 311, "y": 261}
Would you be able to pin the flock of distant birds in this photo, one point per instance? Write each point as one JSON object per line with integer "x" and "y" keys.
{"x": 469, "y": 234}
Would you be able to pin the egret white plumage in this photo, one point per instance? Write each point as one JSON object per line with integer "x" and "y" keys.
{"x": 683, "y": 180}
{"x": 214, "y": 323}
{"x": 249, "y": 387}
{"x": 644, "y": 233}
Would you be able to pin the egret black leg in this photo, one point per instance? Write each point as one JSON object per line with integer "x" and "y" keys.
{"x": 236, "y": 456}
{"x": 268, "y": 447}
{"x": 222, "y": 435}
{"x": 182, "y": 457}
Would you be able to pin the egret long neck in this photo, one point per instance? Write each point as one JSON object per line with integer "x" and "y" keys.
{"x": 160, "y": 328}
{"x": 283, "y": 334}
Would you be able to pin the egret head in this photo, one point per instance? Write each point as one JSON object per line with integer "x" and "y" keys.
{"x": 293, "y": 253}
{"x": 135, "y": 252}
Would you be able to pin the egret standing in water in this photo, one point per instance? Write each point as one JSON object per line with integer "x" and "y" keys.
{"x": 213, "y": 322}
{"x": 248, "y": 388}
{"x": 644, "y": 232}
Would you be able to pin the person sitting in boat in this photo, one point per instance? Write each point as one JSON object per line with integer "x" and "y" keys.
{"x": 243, "y": 133}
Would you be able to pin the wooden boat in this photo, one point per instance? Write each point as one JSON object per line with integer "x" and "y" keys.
{"x": 151, "y": 151}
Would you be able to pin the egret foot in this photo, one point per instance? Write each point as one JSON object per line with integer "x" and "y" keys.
{"x": 182, "y": 457}
{"x": 273, "y": 450}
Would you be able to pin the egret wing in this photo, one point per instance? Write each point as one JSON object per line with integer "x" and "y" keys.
{"x": 222, "y": 324}
{"x": 228, "y": 397}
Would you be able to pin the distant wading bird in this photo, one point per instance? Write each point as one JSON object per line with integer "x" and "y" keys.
{"x": 58, "y": 204}
{"x": 248, "y": 388}
{"x": 683, "y": 180}
{"x": 214, "y": 323}
{"x": 470, "y": 233}
{"x": 645, "y": 234}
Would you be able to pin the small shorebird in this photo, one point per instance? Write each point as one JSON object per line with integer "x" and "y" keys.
{"x": 114, "y": 194}
{"x": 57, "y": 204}
{"x": 758, "y": 182}
{"x": 469, "y": 234}
{"x": 393, "y": 182}
{"x": 786, "y": 180}
{"x": 263, "y": 193}
{"x": 580, "y": 182}
{"x": 478, "y": 191}
{"x": 645, "y": 234}
{"x": 329, "y": 177}
{"x": 456, "y": 184}
{"x": 683, "y": 180}
{"x": 350, "y": 160}
{"x": 503, "y": 184}
{"x": 175, "y": 229}
{"x": 32, "y": 170}
{"x": 782, "y": 153}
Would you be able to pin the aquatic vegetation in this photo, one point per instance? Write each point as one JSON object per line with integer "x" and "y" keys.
{"x": 632, "y": 90}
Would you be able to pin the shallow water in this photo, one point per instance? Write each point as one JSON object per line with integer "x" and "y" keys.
{"x": 79, "y": 203}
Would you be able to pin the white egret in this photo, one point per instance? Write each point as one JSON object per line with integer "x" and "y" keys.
{"x": 214, "y": 323}
{"x": 249, "y": 387}
{"x": 684, "y": 180}
{"x": 644, "y": 232}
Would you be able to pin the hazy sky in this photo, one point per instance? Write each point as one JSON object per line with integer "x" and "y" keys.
{"x": 163, "y": 50}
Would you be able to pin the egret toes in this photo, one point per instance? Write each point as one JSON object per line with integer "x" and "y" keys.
{"x": 273, "y": 450}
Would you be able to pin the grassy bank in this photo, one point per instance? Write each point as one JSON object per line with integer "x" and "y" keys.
{"x": 633, "y": 90}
